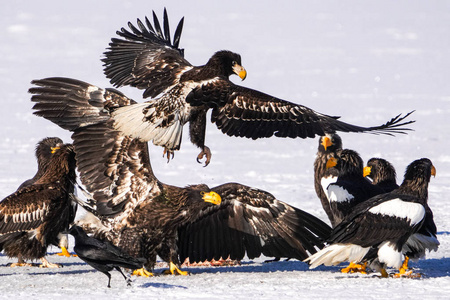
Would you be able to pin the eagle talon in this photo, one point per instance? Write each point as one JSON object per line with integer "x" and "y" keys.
{"x": 173, "y": 270}
{"x": 169, "y": 153}
{"x": 142, "y": 272}
{"x": 355, "y": 268}
{"x": 204, "y": 153}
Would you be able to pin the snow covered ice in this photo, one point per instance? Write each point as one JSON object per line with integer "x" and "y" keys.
{"x": 365, "y": 61}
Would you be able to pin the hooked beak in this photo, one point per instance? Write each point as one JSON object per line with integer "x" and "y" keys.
{"x": 54, "y": 149}
{"x": 367, "y": 170}
{"x": 240, "y": 71}
{"x": 332, "y": 162}
{"x": 326, "y": 142}
{"x": 211, "y": 197}
{"x": 433, "y": 171}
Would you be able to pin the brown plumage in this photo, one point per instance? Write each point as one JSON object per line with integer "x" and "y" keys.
{"x": 33, "y": 216}
{"x": 146, "y": 217}
{"x": 144, "y": 57}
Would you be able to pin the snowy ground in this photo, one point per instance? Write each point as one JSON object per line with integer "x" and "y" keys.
{"x": 366, "y": 61}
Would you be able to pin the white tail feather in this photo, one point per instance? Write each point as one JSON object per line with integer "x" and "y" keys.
{"x": 337, "y": 253}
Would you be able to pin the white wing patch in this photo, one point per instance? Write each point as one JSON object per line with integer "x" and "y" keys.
{"x": 326, "y": 181}
{"x": 414, "y": 212}
{"x": 336, "y": 193}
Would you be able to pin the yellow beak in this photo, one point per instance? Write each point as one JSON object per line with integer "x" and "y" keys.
{"x": 433, "y": 171}
{"x": 54, "y": 149}
{"x": 367, "y": 170}
{"x": 211, "y": 197}
{"x": 240, "y": 71}
{"x": 332, "y": 162}
{"x": 326, "y": 142}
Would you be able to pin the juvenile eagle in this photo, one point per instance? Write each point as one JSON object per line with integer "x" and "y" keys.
{"x": 146, "y": 58}
{"x": 32, "y": 217}
{"x": 146, "y": 217}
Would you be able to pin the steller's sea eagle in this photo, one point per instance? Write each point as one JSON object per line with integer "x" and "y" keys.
{"x": 146, "y": 217}
{"x": 32, "y": 217}
{"x": 380, "y": 228}
{"x": 144, "y": 57}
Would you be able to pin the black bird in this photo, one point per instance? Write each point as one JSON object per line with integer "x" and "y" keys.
{"x": 383, "y": 175}
{"x": 102, "y": 255}
{"x": 32, "y": 217}
{"x": 146, "y": 217}
{"x": 44, "y": 151}
{"x": 350, "y": 187}
{"x": 330, "y": 146}
{"x": 380, "y": 227}
{"x": 144, "y": 57}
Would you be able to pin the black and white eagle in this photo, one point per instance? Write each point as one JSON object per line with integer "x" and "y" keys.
{"x": 383, "y": 174}
{"x": 102, "y": 255}
{"x": 32, "y": 218}
{"x": 380, "y": 228}
{"x": 146, "y": 217}
{"x": 330, "y": 145}
{"x": 144, "y": 57}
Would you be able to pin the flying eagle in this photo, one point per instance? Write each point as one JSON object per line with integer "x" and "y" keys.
{"x": 44, "y": 151}
{"x": 145, "y": 57}
{"x": 380, "y": 227}
{"x": 330, "y": 145}
{"x": 102, "y": 255}
{"x": 32, "y": 217}
{"x": 146, "y": 217}
{"x": 383, "y": 174}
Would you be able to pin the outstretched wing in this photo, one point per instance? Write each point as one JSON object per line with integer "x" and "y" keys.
{"x": 250, "y": 221}
{"x": 146, "y": 58}
{"x": 113, "y": 167}
{"x": 243, "y": 112}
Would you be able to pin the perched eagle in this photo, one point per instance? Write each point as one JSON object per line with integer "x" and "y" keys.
{"x": 383, "y": 174}
{"x": 146, "y": 58}
{"x": 379, "y": 228}
{"x": 351, "y": 187}
{"x": 146, "y": 217}
{"x": 102, "y": 255}
{"x": 44, "y": 151}
{"x": 32, "y": 217}
{"x": 330, "y": 145}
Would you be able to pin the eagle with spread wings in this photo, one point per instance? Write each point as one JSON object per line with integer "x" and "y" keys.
{"x": 145, "y": 57}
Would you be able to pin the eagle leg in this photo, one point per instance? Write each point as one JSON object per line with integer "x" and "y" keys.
{"x": 170, "y": 154}
{"x": 142, "y": 272}
{"x": 65, "y": 253}
{"x": 20, "y": 263}
{"x": 204, "y": 153}
{"x": 173, "y": 270}
{"x": 404, "y": 272}
{"x": 47, "y": 264}
{"x": 355, "y": 268}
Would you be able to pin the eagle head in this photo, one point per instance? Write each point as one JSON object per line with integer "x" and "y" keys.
{"x": 227, "y": 63}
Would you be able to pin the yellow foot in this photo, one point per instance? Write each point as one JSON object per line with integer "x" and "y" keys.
{"x": 142, "y": 272}
{"x": 355, "y": 268}
{"x": 173, "y": 270}
{"x": 47, "y": 264}
{"x": 65, "y": 253}
{"x": 407, "y": 274}
{"x": 20, "y": 264}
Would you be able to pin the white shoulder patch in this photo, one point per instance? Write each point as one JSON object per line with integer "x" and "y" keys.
{"x": 336, "y": 193}
{"x": 414, "y": 212}
{"x": 326, "y": 181}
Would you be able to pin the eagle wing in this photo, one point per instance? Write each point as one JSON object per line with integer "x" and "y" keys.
{"x": 26, "y": 209}
{"x": 250, "y": 221}
{"x": 146, "y": 58}
{"x": 114, "y": 168}
{"x": 243, "y": 112}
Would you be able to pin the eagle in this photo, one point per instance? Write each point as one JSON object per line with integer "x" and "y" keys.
{"x": 330, "y": 145}
{"x": 383, "y": 174}
{"x": 102, "y": 255}
{"x": 32, "y": 217}
{"x": 44, "y": 150}
{"x": 380, "y": 228}
{"x": 145, "y": 217}
{"x": 145, "y": 57}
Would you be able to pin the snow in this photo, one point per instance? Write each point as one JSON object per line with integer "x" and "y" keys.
{"x": 366, "y": 61}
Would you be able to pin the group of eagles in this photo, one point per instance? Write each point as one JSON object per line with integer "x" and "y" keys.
{"x": 132, "y": 217}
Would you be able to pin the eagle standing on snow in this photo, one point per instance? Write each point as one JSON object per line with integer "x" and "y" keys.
{"x": 380, "y": 228}
{"x": 146, "y": 217}
{"x": 32, "y": 217}
{"x": 146, "y": 58}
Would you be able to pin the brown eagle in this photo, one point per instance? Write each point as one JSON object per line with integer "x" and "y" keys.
{"x": 145, "y": 217}
{"x": 146, "y": 58}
